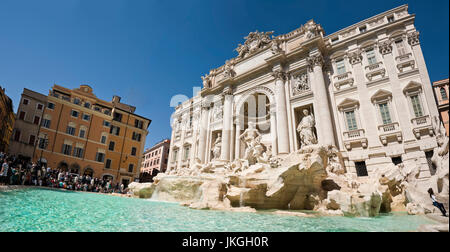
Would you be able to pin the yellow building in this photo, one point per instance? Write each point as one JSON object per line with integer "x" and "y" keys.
{"x": 83, "y": 134}
{"x": 7, "y": 119}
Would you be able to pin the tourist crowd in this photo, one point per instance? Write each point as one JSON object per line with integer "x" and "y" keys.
{"x": 16, "y": 171}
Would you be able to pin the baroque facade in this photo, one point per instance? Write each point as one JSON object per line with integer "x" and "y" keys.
{"x": 75, "y": 131}
{"x": 364, "y": 89}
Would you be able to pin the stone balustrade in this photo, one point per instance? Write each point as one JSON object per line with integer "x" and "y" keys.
{"x": 422, "y": 124}
{"x": 343, "y": 79}
{"x": 355, "y": 136}
{"x": 386, "y": 131}
{"x": 405, "y": 61}
{"x": 375, "y": 69}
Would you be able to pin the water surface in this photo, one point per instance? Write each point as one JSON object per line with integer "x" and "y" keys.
{"x": 55, "y": 210}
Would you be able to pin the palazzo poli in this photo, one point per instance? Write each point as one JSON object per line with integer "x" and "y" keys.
{"x": 364, "y": 89}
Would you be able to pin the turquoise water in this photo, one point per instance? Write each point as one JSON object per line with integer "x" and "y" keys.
{"x": 54, "y": 210}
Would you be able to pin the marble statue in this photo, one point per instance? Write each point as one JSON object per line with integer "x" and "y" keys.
{"x": 252, "y": 138}
{"x": 441, "y": 158}
{"x": 217, "y": 147}
{"x": 306, "y": 129}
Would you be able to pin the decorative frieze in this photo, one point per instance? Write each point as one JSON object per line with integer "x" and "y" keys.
{"x": 413, "y": 38}
{"x": 228, "y": 71}
{"x": 254, "y": 41}
{"x": 300, "y": 84}
{"x": 355, "y": 57}
{"x": 315, "y": 60}
{"x": 279, "y": 75}
{"x": 385, "y": 47}
{"x": 276, "y": 43}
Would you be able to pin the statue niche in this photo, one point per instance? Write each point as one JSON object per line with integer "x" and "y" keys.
{"x": 307, "y": 129}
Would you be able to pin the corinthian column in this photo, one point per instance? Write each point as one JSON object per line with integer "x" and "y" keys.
{"x": 282, "y": 119}
{"x": 227, "y": 120}
{"x": 203, "y": 134}
{"x": 323, "y": 114}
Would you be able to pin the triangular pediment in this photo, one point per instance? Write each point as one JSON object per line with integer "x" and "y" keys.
{"x": 412, "y": 86}
{"x": 348, "y": 102}
{"x": 381, "y": 94}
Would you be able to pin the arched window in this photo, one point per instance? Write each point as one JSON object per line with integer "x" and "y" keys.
{"x": 443, "y": 94}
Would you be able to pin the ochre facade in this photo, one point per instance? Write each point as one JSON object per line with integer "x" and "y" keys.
{"x": 87, "y": 135}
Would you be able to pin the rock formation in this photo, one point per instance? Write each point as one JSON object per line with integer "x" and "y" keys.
{"x": 313, "y": 178}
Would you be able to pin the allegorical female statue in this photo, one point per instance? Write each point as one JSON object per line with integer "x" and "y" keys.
{"x": 306, "y": 129}
{"x": 217, "y": 147}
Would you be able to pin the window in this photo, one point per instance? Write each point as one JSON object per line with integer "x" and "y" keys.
{"x": 133, "y": 151}
{"x": 17, "y": 135}
{"x": 100, "y": 157}
{"x": 51, "y": 105}
{"x": 351, "y": 120}
{"x": 114, "y": 130}
{"x": 390, "y": 19}
{"x": 385, "y": 115}
{"x": 32, "y": 139}
{"x": 70, "y": 130}
{"x": 82, "y": 133}
{"x": 362, "y": 29}
{"x": 25, "y": 102}
{"x": 42, "y": 143}
{"x": 186, "y": 152}
{"x": 361, "y": 169}
{"x": 22, "y": 115}
{"x": 40, "y": 106}
{"x": 46, "y": 123}
{"x": 77, "y": 101}
{"x": 417, "y": 107}
{"x": 130, "y": 167}
{"x": 87, "y": 105}
{"x": 78, "y": 152}
{"x": 138, "y": 123}
{"x": 400, "y": 47}
{"x": 117, "y": 117}
{"x": 107, "y": 112}
{"x": 103, "y": 139}
{"x": 86, "y": 117}
{"x": 397, "y": 160}
{"x": 66, "y": 149}
{"x": 66, "y": 98}
{"x": 335, "y": 39}
{"x": 108, "y": 164}
{"x": 443, "y": 93}
{"x": 371, "y": 59}
{"x": 96, "y": 108}
{"x": 111, "y": 146}
{"x": 340, "y": 66}
{"x": 136, "y": 136}
{"x": 37, "y": 119}
{"x": 74, "y": 113}
{"x": 106, "y": 123}
{"x": 175, "y": 154}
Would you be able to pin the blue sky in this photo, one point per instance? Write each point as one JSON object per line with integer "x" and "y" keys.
{"x": 148, "y": 51}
